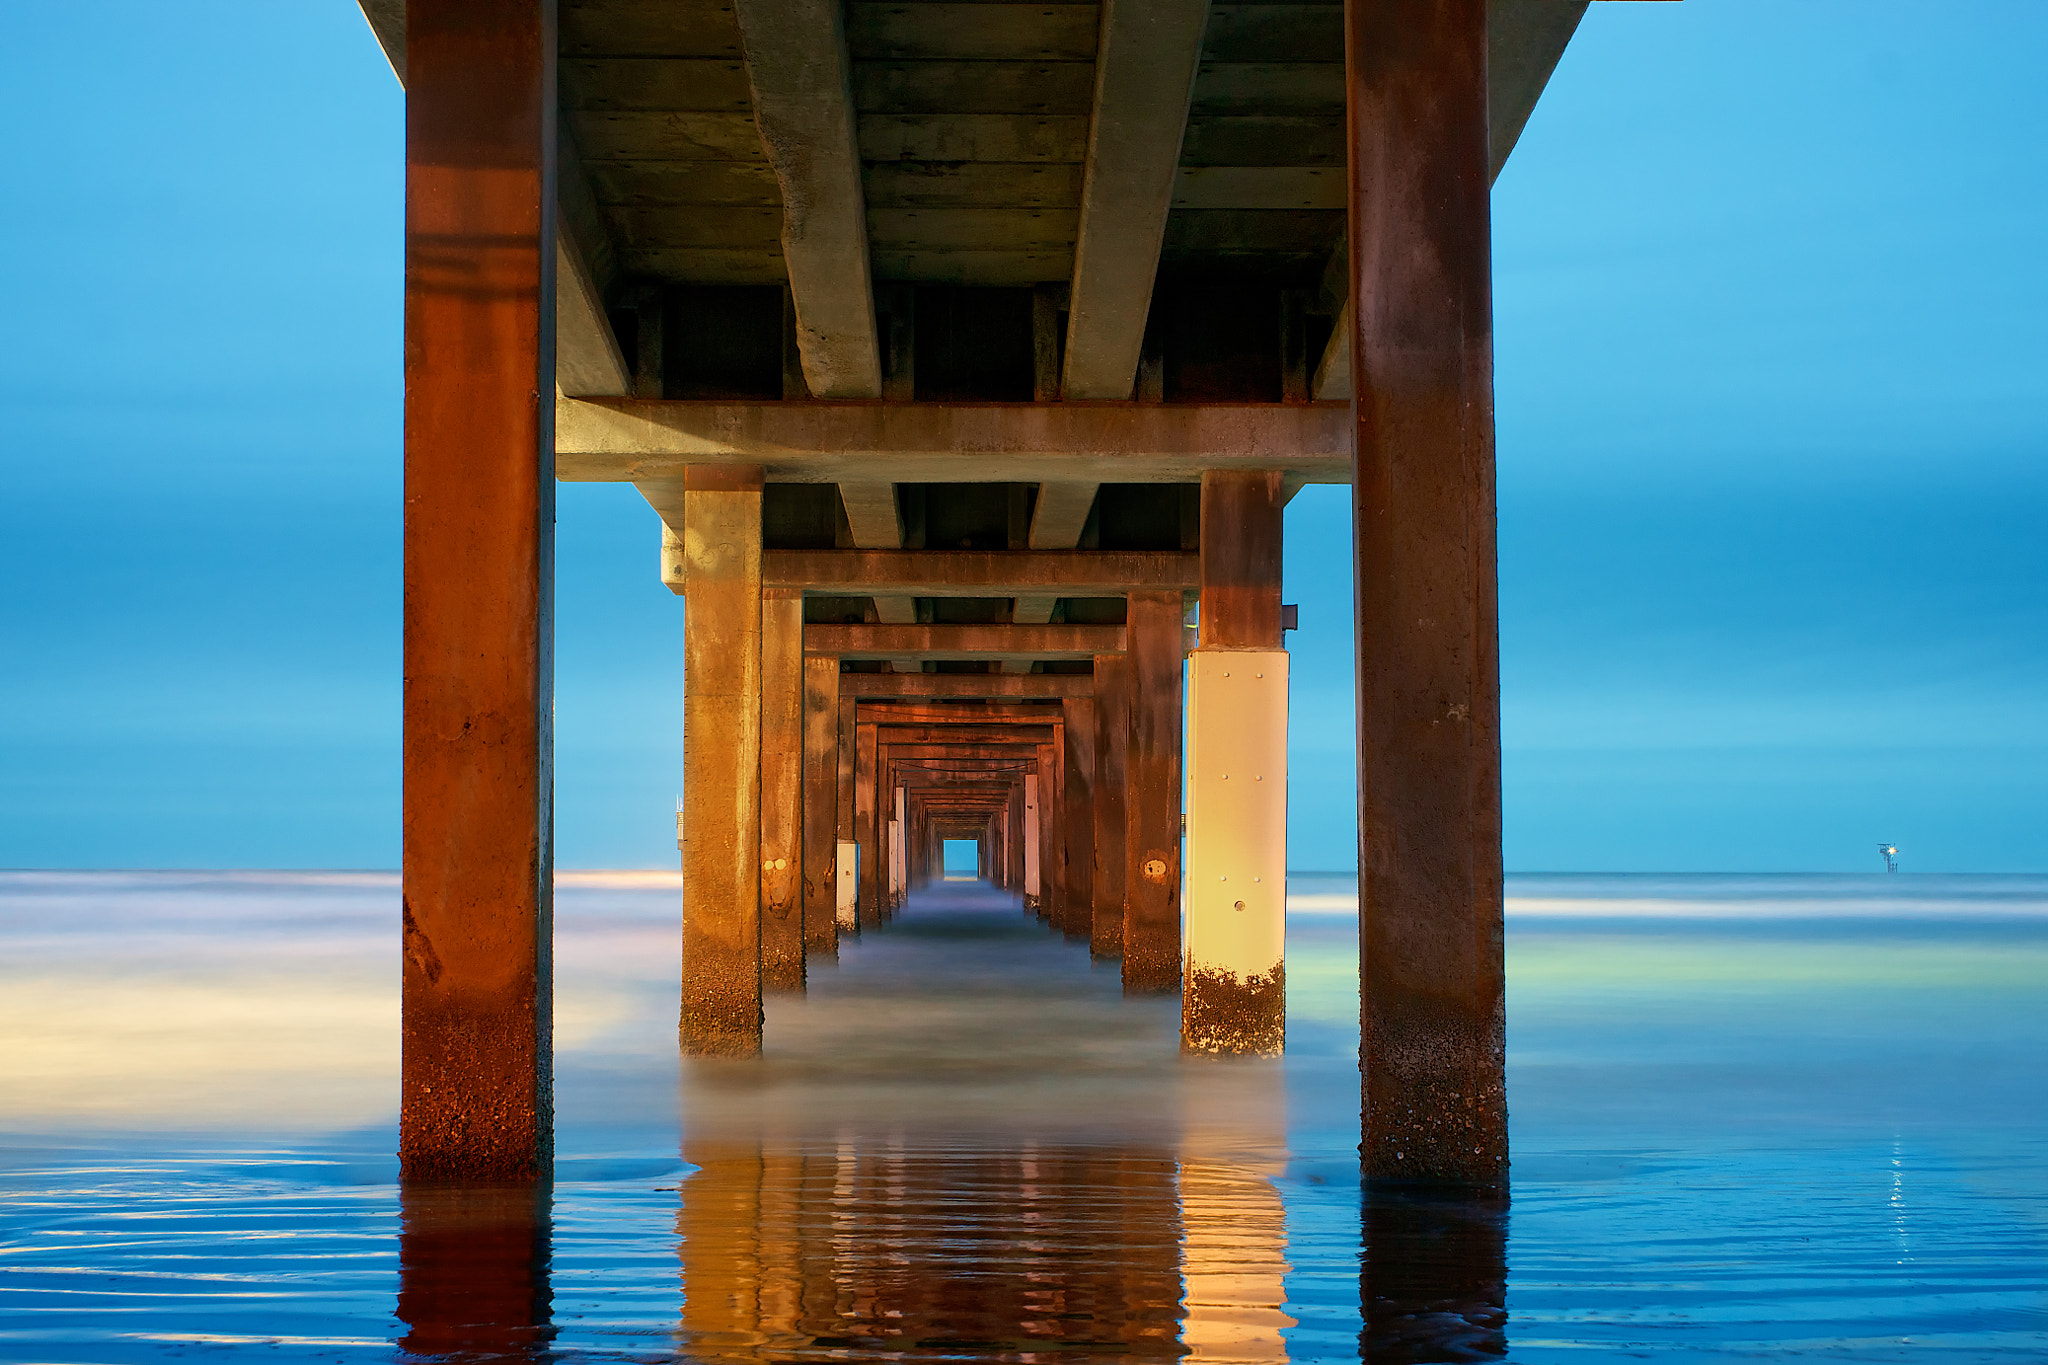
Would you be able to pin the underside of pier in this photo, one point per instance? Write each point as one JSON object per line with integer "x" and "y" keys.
{"x": 967, "y": 355}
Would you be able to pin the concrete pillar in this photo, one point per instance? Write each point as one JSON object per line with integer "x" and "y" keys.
{"x": 1234, "y": 997}
{"x": 1112, "y": 821}
{"x": 782, "y": 788}
{"x": 1077, "y": 814}
{"x": 846, "y": 866}
{"x": 1433, "y": 1047}
{"x": 475, "y": 1101}
{"x": 1152, "y": 945}
{"x": 1013, "y": 841}
{"x": 899, "y": 850}
{"x": 867, "y": 820}
{"x": 1034, "y": 878}
{"x": 722, "y": 761}
{"x": 820, "y": 805}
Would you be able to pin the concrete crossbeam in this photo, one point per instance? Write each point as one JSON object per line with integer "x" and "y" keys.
{"x": 964, "y": 643}
{"x": 650, "y": 441}
{"x": 973, "y": 573}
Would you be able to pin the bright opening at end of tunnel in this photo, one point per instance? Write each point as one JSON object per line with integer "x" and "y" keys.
{"x": 962, "y": 859}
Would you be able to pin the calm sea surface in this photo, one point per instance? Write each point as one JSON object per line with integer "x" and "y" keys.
{"x": 1754, "y": 1118}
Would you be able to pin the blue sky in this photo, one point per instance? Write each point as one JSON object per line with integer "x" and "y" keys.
{"x": 1771, "y": 457}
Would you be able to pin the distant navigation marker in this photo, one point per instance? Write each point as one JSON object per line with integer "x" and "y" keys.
{"x": 1891, "y": 856}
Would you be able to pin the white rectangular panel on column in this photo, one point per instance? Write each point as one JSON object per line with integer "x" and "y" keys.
{"x": 1031, "y": 873}
{"x": 846, "y": 886}
{"x": 1236, "y": 931}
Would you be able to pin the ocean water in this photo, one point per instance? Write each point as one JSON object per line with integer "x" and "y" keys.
{"x": 1753, "y": 1118}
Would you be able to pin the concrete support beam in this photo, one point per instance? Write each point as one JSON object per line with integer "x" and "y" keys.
{"x": 1152, "y": 942}
{"x": 475, "y": 1099}
{"x": 1145, "y": 62}
{"x": 587, "y": 357}
{"x": 721, "y": 1013}
{"x": 782, "y": 789}
{"x": 821, "y": 805}
{"x": 964, "y": 642}
{"x": 913, "y": 712}
{"x": 865, "y": 446}
{"x": 1432, "y": 1050}
{"x": 1112, "y": 817}
{"x": 872, "y": 514}
{"x": 966, "y": 685}
{"x": 981, "y": 573}
{"x": 1061, "y": 514}
{"x": 876, "y": 522}
{"x": 803, "y": 105}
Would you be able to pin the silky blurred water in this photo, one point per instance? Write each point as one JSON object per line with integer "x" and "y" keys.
{"x": 1753, "y": 1118}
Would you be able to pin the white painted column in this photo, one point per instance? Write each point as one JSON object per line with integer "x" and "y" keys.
{"x": 846, "y": 888}
{"x": 1236, "y": 930}
{"x": 1032, "y": 893}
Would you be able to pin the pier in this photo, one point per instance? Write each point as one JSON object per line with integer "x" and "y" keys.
{"x": 967, "y": 356}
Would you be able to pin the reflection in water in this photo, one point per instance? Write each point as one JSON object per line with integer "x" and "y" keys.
{"x": 966, "y": 1144}
{"x": 1432, "y": 1280}
{"x": 473, "y": 1279}
{"x": 875, "y": 1250}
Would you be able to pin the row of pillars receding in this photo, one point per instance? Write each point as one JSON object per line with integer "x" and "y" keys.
{"x": 478, "y": 702}
{"x": 810, "y": 811}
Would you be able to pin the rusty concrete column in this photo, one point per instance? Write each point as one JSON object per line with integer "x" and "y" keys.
{"x": 1112, "y": 832}
{"x": 1050, "y": 787}
{"x": 782, "y": 788}
{"x": 1433, "y": 1045}
{"x": 1153, "y": 803}
{"x": 478, "y": 821}
{"x": 1077, "y": 813}
{"x": 820, "y": 805}
{"x": 722, "y": 760}
{"x": 1234, "y": 997}
{"x": 846, "y": 864}
{"x": 867, "y": 820}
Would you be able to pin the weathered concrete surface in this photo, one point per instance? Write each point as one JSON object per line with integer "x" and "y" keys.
{"x": 782, "y": 788}
{"x": 1112, "y": 813}
{"x": 1152, "y": 939}
{"x": 966, "y": 685}
{"x": 1077, "y": 853}
{"x": 964, "y": 642}
{"x": 721, "y": 1013}
{"x": 1240, "y": 559}
{"x": 1525, "y": 41}
{"x": 803, "y": 105}
{"x": 638, "y": 440}
{"x": 982, "y": 573}
{"x": 821, "y": 805}
{"x": 1145, "y": 62}
{"x": 1433, "y": 1048}
{"x": 1061, "y": 514}
{"x": 476, "y": 1091}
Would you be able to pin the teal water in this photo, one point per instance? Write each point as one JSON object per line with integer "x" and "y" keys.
{"x": 1753, "y": 1118}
